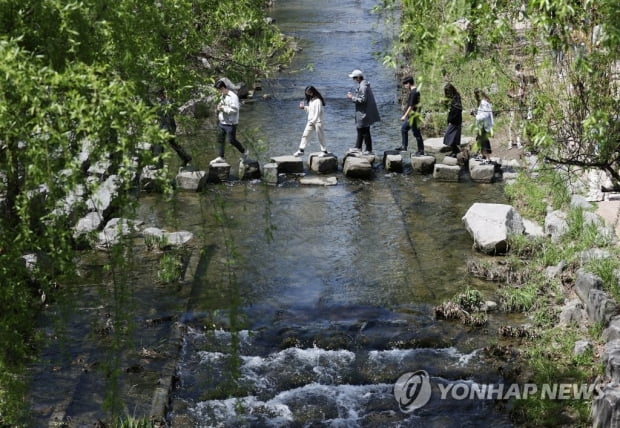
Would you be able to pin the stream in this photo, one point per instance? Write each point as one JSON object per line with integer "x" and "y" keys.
{"x": 301, "y": 305}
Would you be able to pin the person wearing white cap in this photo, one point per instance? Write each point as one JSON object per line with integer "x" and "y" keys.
{"x": 366, "y": 112}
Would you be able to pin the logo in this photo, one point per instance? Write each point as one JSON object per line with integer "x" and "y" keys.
{"x": 412, "y": 390}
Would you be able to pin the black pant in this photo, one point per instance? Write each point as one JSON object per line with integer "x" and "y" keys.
{"x": 452, "y": 137}
{"x": 485, "y": 143}
{"x": 158, "y": 149}
{"x": 404, "y": 132}
{"x": 186, "y": 158}
{"x": 231, "y": 131}
{"x": 363, "y": 135}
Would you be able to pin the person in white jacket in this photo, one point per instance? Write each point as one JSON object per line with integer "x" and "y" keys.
{"x": 314, "y": 109}
{"x": 228, "y": 118}
{"x": 484, "y": 122}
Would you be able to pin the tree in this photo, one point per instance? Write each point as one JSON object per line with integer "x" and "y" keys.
{"x": 79, "y": 74}
{"x": 577, "y": 120}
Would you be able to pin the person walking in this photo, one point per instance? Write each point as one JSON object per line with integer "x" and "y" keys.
{"x": 366, "y": 112}
{"x": 484, "y": 122}
{"x": 167, "y": 123}
{"x": 411, "y": 118}
{"x": 314, "y": 109}
{"x": 228, "y": 118}
{"x": 452, "y": 137}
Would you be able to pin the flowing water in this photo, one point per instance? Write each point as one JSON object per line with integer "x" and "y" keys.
{"x": 303, "y": 304}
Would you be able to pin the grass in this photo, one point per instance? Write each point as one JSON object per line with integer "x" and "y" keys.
{"x": 549, "y": 358}
{"x": 170, "y": 267}
{"x": 134, "y": 423}
{"x": 531, "y": 193}
{"x": 608, "y": 269}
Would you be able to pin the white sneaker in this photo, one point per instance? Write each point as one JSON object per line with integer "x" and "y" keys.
{"x": 323, "y": 154}
{"x": 298, "y": 153}
{"x": 354, "y": 150}
{"x": 367, "y": 153}
{"x": 217, "y": 160}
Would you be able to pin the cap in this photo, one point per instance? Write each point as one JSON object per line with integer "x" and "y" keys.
{"x": 356, "y": 73}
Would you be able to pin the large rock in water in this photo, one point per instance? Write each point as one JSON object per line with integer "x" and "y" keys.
{"x": 490, "y": 225}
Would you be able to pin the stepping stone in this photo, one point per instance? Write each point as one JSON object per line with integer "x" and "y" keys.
{"x": 481, "y": 173}
{"x": 323, "y": 164}
{"x": 289, "y": 164}
{"x": 249, "y": 169}
{"x": 393, "y": 162}
{"x": 388, "y": 153}
{"x": 270, "y": 173}
{"x": 218, "y": 172}
{"x": 423, "y": 164}
{"x": 189, "y": 180}
{"x": 357, "y": 167}
{"x": 370, "y": 157}
{"x": 449, "y": 173}
{"x": 319, "y": 181}
{"x": 449, "y": 160}
{"x": 435, "y": 145}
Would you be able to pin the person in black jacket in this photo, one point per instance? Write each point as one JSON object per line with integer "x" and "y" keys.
{"x": 411, "y": 118}
{"x": 167, "y": 122}
{"x": 452, "y": 138}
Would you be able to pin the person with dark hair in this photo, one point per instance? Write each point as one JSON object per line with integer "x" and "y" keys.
{"x": 411, "y": 118}
{"x": 228, "y": 118}
{"x": 452, "y": 137}
{"x": 484, "y": 122}
{"x": 366, "y": 112}
{"x": 314, "y": 109}
{"x": 167, "y": 122}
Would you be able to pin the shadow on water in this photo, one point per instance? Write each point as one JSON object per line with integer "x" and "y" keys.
{"x": 302, "y": 305}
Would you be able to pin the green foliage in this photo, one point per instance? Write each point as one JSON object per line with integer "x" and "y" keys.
{"x": 170, "y": 267}
{"x": 553, "y": 361}
{"x": 46, "y": 117}
{"x": 134, "y": 423}
{"x": 519, "y": 299}
{"x": 82, "y": 74}
{"x": 470, "y": 300}
{"x": 527, "y": 197}
{"x": 466, "y": 42}
{"x": 608, "y": 269}
{"x": 153, "y": 44}
{"x": 532, "y": 194}
{"x": 576, "y": 120}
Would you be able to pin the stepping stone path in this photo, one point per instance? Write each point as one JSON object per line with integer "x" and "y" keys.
{"x": 289, "y": 164}
{"x": 326, "y": 164}
{"x": 357, "y": 165}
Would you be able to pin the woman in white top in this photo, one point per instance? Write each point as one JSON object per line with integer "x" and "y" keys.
{"x": 484, "y": 122}
{"x": 314, "y": 108}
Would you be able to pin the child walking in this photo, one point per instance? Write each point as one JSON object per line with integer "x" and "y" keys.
{"x": 314, "y": 108}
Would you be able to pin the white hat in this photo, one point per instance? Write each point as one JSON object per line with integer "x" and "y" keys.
{"x": 356, "y": 73}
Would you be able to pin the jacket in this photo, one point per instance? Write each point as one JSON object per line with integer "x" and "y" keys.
{"x": 366, "y": 112}
{"x": 230, "y": 113}
{"x": 484, "y": 116}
